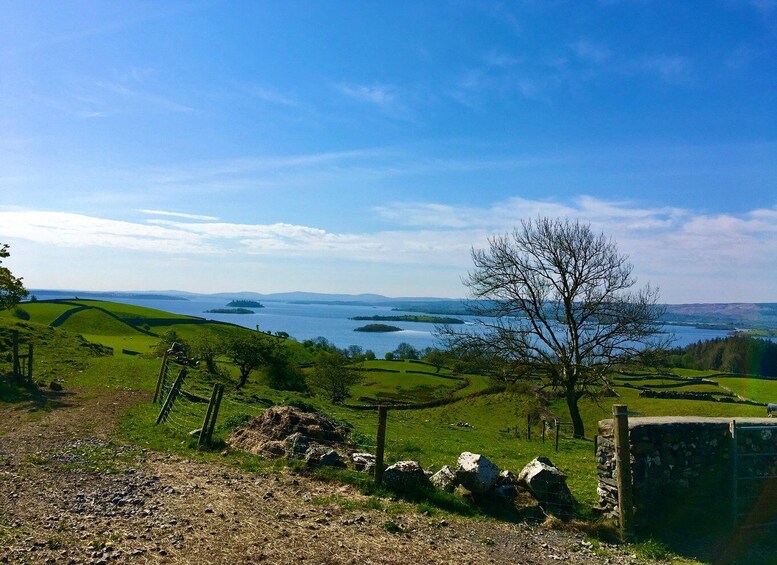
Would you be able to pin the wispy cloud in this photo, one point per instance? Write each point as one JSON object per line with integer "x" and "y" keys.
{"x": 271, "y": 95}
{"x": 670, "y": 68}
{"x": 591, "y": 52}
{"x": 152, "y": 99}
{"x": 178, "y": 215}
{"x": 384, "y": 97}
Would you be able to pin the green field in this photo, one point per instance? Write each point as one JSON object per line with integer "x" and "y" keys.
{"x": 433, "y": 436}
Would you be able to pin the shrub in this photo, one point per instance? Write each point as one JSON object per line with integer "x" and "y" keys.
{"x": 21, "y": 313}
{"x": 284, "y": 375}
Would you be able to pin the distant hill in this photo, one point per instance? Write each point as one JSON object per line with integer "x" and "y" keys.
{"x": 739, "y": 315}
{"x": 762, "y": 315}
{"x": 112, "y": 295}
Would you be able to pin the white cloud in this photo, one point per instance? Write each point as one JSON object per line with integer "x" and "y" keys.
{"x": 178, "y": 215}
{"x": 695, "y": 257}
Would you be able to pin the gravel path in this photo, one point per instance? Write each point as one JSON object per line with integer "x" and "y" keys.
{"x": 69, "y": 494}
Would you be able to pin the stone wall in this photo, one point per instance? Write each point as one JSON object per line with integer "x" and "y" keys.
{"x": 681, "y": 468}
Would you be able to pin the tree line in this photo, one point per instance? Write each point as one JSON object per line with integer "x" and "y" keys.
{"x": 741, "y": 354}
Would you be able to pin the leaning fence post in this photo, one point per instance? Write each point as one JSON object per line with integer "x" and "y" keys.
{"x": 379, "y": 450}
{"x": 208, "y": 412}
{"x": 623, "y": 467}
{"x": 161, "y": 378}
{"x": 215, "y": 414}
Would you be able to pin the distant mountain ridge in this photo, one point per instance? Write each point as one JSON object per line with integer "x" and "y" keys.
{"x": 743, "y": 314}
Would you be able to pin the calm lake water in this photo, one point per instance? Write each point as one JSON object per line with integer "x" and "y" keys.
{"x": 308, "y": 321}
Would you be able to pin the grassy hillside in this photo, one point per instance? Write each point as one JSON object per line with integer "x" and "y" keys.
{"x": 73, "y": 353}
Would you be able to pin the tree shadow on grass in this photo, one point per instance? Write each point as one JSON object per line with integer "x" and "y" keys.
{"x": 27, "y": 396}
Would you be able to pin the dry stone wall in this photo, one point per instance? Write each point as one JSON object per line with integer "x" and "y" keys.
{"x": 681, "y": 468}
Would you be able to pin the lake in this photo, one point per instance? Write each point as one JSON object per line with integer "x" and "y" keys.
{"x": 308, "y": 321}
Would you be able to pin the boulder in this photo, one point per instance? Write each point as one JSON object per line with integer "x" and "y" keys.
{"x": 324, "y": 456}
{"x": 546, "y": 482}
{"x": 444, "y": 479}
{"x": 271, "y": 448}
{"x": 506, "y": 491}
{"x": 506, "y": 478}
{"x": 363, "y": 462}
{"x": 296, "y": 446}
{"x": 476, "y": 473}
{"x": 405, "y": 476}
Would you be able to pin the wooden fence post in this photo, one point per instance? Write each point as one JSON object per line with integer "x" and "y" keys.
{"x": 219, "y": 390}
{"x": 528, "y": 427}
{"x": 161, "y": 378}
{"x": 623, "y": 468}
{"x": 556, "y": 425}
{"x": 168, "y": 405}
{"x": 15, "y": 345}
{"x": 379, "y": 450}
{"x": 544, "y": 425}
{"x": 208, "y": 412}
{"x": 734, "y": 474}
{"x": 29, "y": 362}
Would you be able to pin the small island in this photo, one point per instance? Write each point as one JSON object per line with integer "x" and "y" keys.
{"x": 229, "y": 311}
{"x": 411, "y": 318}
{"x": 245, "y": 304}
{"x": 377, "y": 328}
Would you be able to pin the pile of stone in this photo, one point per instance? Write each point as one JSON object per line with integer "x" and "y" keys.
{"x": 475, "y": 475}
{"x": 287, "y": 431}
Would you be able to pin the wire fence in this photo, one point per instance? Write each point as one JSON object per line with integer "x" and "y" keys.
{"x": 183, "y": 411}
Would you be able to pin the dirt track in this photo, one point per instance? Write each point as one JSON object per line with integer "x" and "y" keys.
{"x": 68, "y": 494}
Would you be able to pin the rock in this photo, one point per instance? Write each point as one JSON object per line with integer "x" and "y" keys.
{"x": 405, "y": 476}
{"x": 506, "y": 491}
{"x": 506, "y": 478}
{"x": 278, "y": 423}
{"x": 54, "y": 385}
{"x": 363, "y": 462}
{"x": 444, "y": 479}
{"x": 271, "y": 449}
{"x": 325, "y": 456}
{"x": 296, "y": 446}
{"x": 546, "y": 483}
{"x": 476, "y": 473}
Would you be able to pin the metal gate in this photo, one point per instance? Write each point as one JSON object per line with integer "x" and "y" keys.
{"x": 754, "y": 475}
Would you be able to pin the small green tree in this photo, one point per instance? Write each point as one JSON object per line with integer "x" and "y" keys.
{"x": 405, "y": 351}
{"x": 251, "y": 350}
{"x": 12, "y": 290}
{"x": 437, "y": 358}
{"x": 333, "y": 375}
{"x": 206, "y": 346}
{"x": 283, "y": 374}
{"x": 166, "y": 341}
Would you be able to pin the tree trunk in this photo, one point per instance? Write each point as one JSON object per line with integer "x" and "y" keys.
{"x": 578, "y": 429}
{"x": 243, "y": 379}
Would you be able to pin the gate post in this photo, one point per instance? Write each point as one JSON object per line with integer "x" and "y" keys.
{"x": 623, "y": 468}
{"x": 382, "y": 412}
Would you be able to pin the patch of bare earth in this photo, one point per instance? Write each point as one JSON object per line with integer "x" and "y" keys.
{"x": 68, "y": 494}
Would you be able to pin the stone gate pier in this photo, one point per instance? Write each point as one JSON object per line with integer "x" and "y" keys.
{"x": 692, "y": 473}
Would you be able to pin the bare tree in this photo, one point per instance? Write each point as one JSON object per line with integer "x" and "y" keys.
{"x": 555, "y": 303}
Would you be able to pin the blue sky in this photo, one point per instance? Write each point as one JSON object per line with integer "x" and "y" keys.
{"x": 367, "y": 146}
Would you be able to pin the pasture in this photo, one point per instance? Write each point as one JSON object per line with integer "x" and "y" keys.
{"x": 75, "y": 353}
